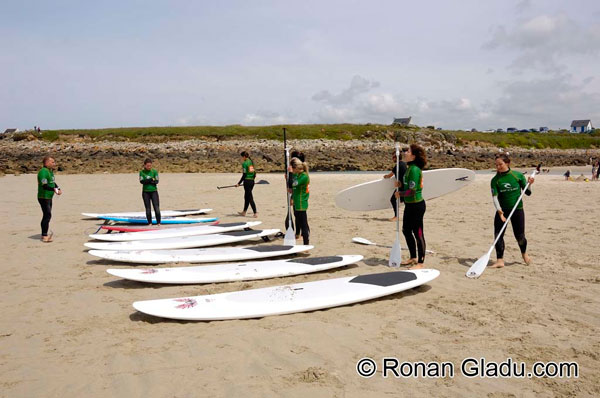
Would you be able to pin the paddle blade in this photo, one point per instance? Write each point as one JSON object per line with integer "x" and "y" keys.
{"x": 395, "y": 255}
{"x": 290, "y": 238}
{"x": 362, "y": 241}
{"x": 478, "y": 266}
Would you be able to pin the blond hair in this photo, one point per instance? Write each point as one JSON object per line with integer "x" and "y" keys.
{"x": 297, "y": 163}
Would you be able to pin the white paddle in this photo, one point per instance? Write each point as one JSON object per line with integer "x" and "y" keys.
{"x": 364, "y": 241}
{"x": 479, "y": 266}
{"x": 395, "y": 253}
{"x": 290, "y": 237}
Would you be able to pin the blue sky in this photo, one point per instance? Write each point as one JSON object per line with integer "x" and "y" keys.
{"x": 460, "y": 64}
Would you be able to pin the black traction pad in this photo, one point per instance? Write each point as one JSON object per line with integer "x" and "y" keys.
{"x": 186, "y": 210}
{"x": 270, "y": 248}
{"x": 231, "y": 224}
{"x": 242, "y": 233}
{"x": 385, "y": 279}
{"x": 317, "y": 260}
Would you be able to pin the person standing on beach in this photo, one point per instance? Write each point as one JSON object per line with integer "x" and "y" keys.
{"x": 507, "y": 186}
{"x": 248, "y": 176}
{"x": 414, "y": 205}
{"x": 149, "y": 180}
{"x": 394, "y": 173}
{"x": 290, "y": 180}
{"x": 47, "y": 187}
{"x": 595, "y": 170}
{"x": 300, "y": 195}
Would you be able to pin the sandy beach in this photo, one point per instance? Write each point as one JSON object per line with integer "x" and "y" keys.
{"x": 68, "y": 328}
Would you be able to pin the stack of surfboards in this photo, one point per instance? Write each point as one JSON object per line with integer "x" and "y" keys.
{"x": 191, "y": 244}
{"x": 167, "y": 217}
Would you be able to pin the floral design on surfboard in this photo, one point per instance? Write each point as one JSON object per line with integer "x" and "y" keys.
{"x": 187, "y": 303}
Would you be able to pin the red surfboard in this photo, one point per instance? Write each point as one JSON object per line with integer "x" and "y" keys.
{"x": 115, "y": 228}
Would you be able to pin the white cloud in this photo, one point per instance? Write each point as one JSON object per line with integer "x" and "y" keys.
{"x": 359, "y": 85}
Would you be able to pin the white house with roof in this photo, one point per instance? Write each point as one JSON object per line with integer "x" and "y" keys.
{"x": 581, "y": 126}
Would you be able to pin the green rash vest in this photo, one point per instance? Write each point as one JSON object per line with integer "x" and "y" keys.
{"x": 413, "y": 180}
{"x": 248, "y": 168}
{"x": 300, "y": 191}
{"x": 45, "y": 176}
{"x": 148, "y": 176}
{"x": 507, "y": 186}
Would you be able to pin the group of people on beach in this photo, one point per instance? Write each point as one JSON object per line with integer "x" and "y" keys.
{"x": 506, "y": 188}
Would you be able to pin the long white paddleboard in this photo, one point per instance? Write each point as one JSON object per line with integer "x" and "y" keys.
{"x": 163, "y": 220}
{"x": 231, "y": 272}
{"x": 209, "y": 255}
{"x": 176, "y": 232}
{"x": 184, "y": 242}
{"x": 375, "y": 195}
{"x": 287, "y": 299}
{"x": 163, "y": 213}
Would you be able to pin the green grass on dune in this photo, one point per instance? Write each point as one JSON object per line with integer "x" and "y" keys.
{"x": 329, "y": 131}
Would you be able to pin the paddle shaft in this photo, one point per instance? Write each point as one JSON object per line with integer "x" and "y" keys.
{"x": 287, "y": 165}
{"x": 397, "y": 190}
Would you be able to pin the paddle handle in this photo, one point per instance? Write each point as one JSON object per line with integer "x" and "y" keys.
{"x": 536, "y": 171}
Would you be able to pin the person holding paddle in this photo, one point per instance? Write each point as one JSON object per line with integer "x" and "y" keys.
{"x": 300, "y": 195}
{"x": 248, "y": 176}
{"x": 149, "y": 180}
{"x": 47, "y": 187}
{"x": 402, "y": 167}
{"x": 507, "y": 186}
{"x": 414, "y": 205}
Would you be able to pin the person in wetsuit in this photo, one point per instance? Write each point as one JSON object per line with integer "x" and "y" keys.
{"x": 507, "y": 186}
{"x": 149, "y": 180}
{"x": 393, "y": 173}
{"x": 290, "y": 180}
{"x": 47, "y": 187}
{"x": 248, "y": 176}
{"x": 300, "y": 195}
{"x": 414, "y": 205}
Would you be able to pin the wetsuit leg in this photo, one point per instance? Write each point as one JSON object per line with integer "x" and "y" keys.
{"x": 302, "y": 225}
{"x": 394, "y": 205}
{"x": 156, "y": 205}
{"x": 417, "y": 229}
{"x": 248, "y": 198}
{"x": 500, "y": 244}
{"x": 518, "y": 226}
{"x": 407, "y": 223}
{"x": 146, "y": 197}
{"x": 46, "y": 205}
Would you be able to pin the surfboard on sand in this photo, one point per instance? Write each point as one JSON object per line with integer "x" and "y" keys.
{"x": 163, "y": 213}
{"x": 230, "y": 272}
{"x": 208, "y": 255}
{"x": 287, "y": 299}
{"x": 375, "y": 195}
{"x": 184, "y": 242}
{"x": 176, "y": 232}
{"x": 163, "y": 220}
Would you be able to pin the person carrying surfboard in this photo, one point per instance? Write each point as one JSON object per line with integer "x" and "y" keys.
{"x": 300, "y": 195}
{"x": 247, "y": 180}
{"x": 507, "y": 186}
{"x": 414, "y": 205}
{"x": 402, "y": 167}
{"x": 47, "y": 187}
{"x": 149, "y": 180}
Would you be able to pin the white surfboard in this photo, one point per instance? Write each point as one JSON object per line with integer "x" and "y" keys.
{"x": 176, "y": 232}
{"x": 375, "y": 195}
{"x": 184, "y": 242}
{"x": 163, "y": 213}
{"x": 209, "y": 255}
{"x": 231, "y": 272}
{"x": 287, "y": 299}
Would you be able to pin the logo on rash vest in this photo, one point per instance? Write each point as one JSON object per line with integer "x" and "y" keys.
{"x": 187, "y": 303}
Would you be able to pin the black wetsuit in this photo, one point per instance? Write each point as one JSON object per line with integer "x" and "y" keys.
{"x": 399, "y": 178}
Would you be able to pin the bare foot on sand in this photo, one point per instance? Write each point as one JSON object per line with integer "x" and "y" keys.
{"x": 393, "y": 218}
{"x": 527, "y": 259}
{"x": 255, "y": 215}
{"x": 242, "y": 213}
{"x": 418, "y": 266}
{"x": 410, "y": 261}
{"x": 498, "y": 264}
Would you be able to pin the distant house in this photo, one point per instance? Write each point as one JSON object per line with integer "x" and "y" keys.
{"x": 581, "y": 126}
{"x": 543, "y": 129}
{"x": 404, "y": 121}
{"x": 8, "y": 131}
